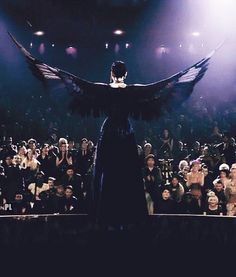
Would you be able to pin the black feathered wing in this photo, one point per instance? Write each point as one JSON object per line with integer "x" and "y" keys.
{"x": 166, "y": 94}
{"x": 140, "y": 101}
{"x": 88, "y": 98}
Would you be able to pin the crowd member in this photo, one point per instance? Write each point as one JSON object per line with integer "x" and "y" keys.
{"x": 152, "y": 177}
{"x": 71, "y": 204}
{"x": 195, "y": 175}
{"x": 230, "y": 192}
{"x": 165, "y": 204}
{"x": 220, "y": 193}
{"x": 84, "y": 158}
{"x": 176, "y": 189}
{"x": 213, "y": 207}
{"x": 30, "y": 165}
{"x": 15, "y": 181}
{"x": 63, "y": 159}
{"x": 47, "y": 161}
{"x": 193, "y": 201}
{"x": 73, "y": 180}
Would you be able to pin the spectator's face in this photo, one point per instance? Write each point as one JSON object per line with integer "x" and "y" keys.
{"x": 22, "y": 150}
{"x": 32, "y": 145}
{"x": 8, "y": 160}
{"x": 60, "y": 190}
{"x": 165, "y": 133}
{"x": 70, "y": 172}
{"x": 50, "y": 183}
{"x": 84, "y": 145}
{"x": 195, "y": 167}
{"x": 212, "y": 201}
{"x": 233, "y": 173}
{"x": 68, "y": 193}
{"x": 196, "y": 193}
{"x": 166, "y": 194}
{"x": 63, "y": 147}
{"x": 17, "y": 160}
{"x": 174, "y": 182}
{"x": 30, "y": 154}
{"x": 18, "y": 197}
{"x": 45, "y": 150}
{"x": 218, "y": 186}
{"x": 222, "y": 174}
{"x": 71, "y": 144}
{"x": 186, "y": 170}
{"x": 205, "y": 171}
{"x": 150, "y": 162}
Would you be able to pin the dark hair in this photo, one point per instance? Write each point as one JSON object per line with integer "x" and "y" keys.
{"x": 150, "y": 156}
{"x": 118, "y": 69}
{"x": 225, "y": 171}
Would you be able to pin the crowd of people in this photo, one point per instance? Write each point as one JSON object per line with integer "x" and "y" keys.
{"x": 42, "y": 178}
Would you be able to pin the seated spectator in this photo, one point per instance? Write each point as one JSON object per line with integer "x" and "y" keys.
{"x": 165, "y": 205}
{"x": 71, "y": 204}
{"x": 47, "y": 161}
{"x": 223, "y": 177}
{"x": 176, "y": 189}
{"x": 213, "y": 207}
{"x": 152, "y": 177}
{"x": 193, "y": 202}
{"x": 20, "y": 205}
{"x": 63, "y": 159}
{"x": 147, "y": 149}
{"x": 230, "y": 192}
{"x": 220, "y": 193}
{"x": 84, "y": 159}
{"x": 74, "y": 180}
{"x": 14, "y": 179}
{"x": 38, "y": 186}
{"x": 32, "y": 145}
{"x": 31, "y": 165}
{"x": 56, "y": 203}
{"x": 195, "y": 175}
{"x": 22, "y": 151}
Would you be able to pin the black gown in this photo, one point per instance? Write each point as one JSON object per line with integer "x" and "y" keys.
{"x": 118, "y": 186}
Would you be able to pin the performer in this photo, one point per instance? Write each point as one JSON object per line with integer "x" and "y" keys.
{"x": 118, "y": 185}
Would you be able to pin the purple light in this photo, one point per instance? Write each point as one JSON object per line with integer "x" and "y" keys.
{"x": 117, "y": 48}
{"x": 41, "y": 48}
{"x": 72, "y": 51}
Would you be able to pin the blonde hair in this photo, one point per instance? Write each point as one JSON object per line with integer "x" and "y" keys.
{"x": 215, "y": 197}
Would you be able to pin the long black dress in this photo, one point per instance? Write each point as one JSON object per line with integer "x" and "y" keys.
{"x": 119, "y": 190}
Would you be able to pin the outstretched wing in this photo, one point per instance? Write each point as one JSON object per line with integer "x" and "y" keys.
{"x": 88, "y": 98}
{"x": 150, "y": 100}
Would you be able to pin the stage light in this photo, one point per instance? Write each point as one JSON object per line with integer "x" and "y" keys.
{"x": 127, "y": 45}
{"x": 53, "y": 45}
{"x": 195, "y": 34}
{"x": 180, "y": 46}
{"x": 118, "y": 32}
{"x": 31, "y": 45}
{"x": 39, "y": 33}
{"x": 117, "y": 48}
{"x": 41, "y": 48}
{"x": 106, "y": 45}
{"x": 71, "y": 51}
